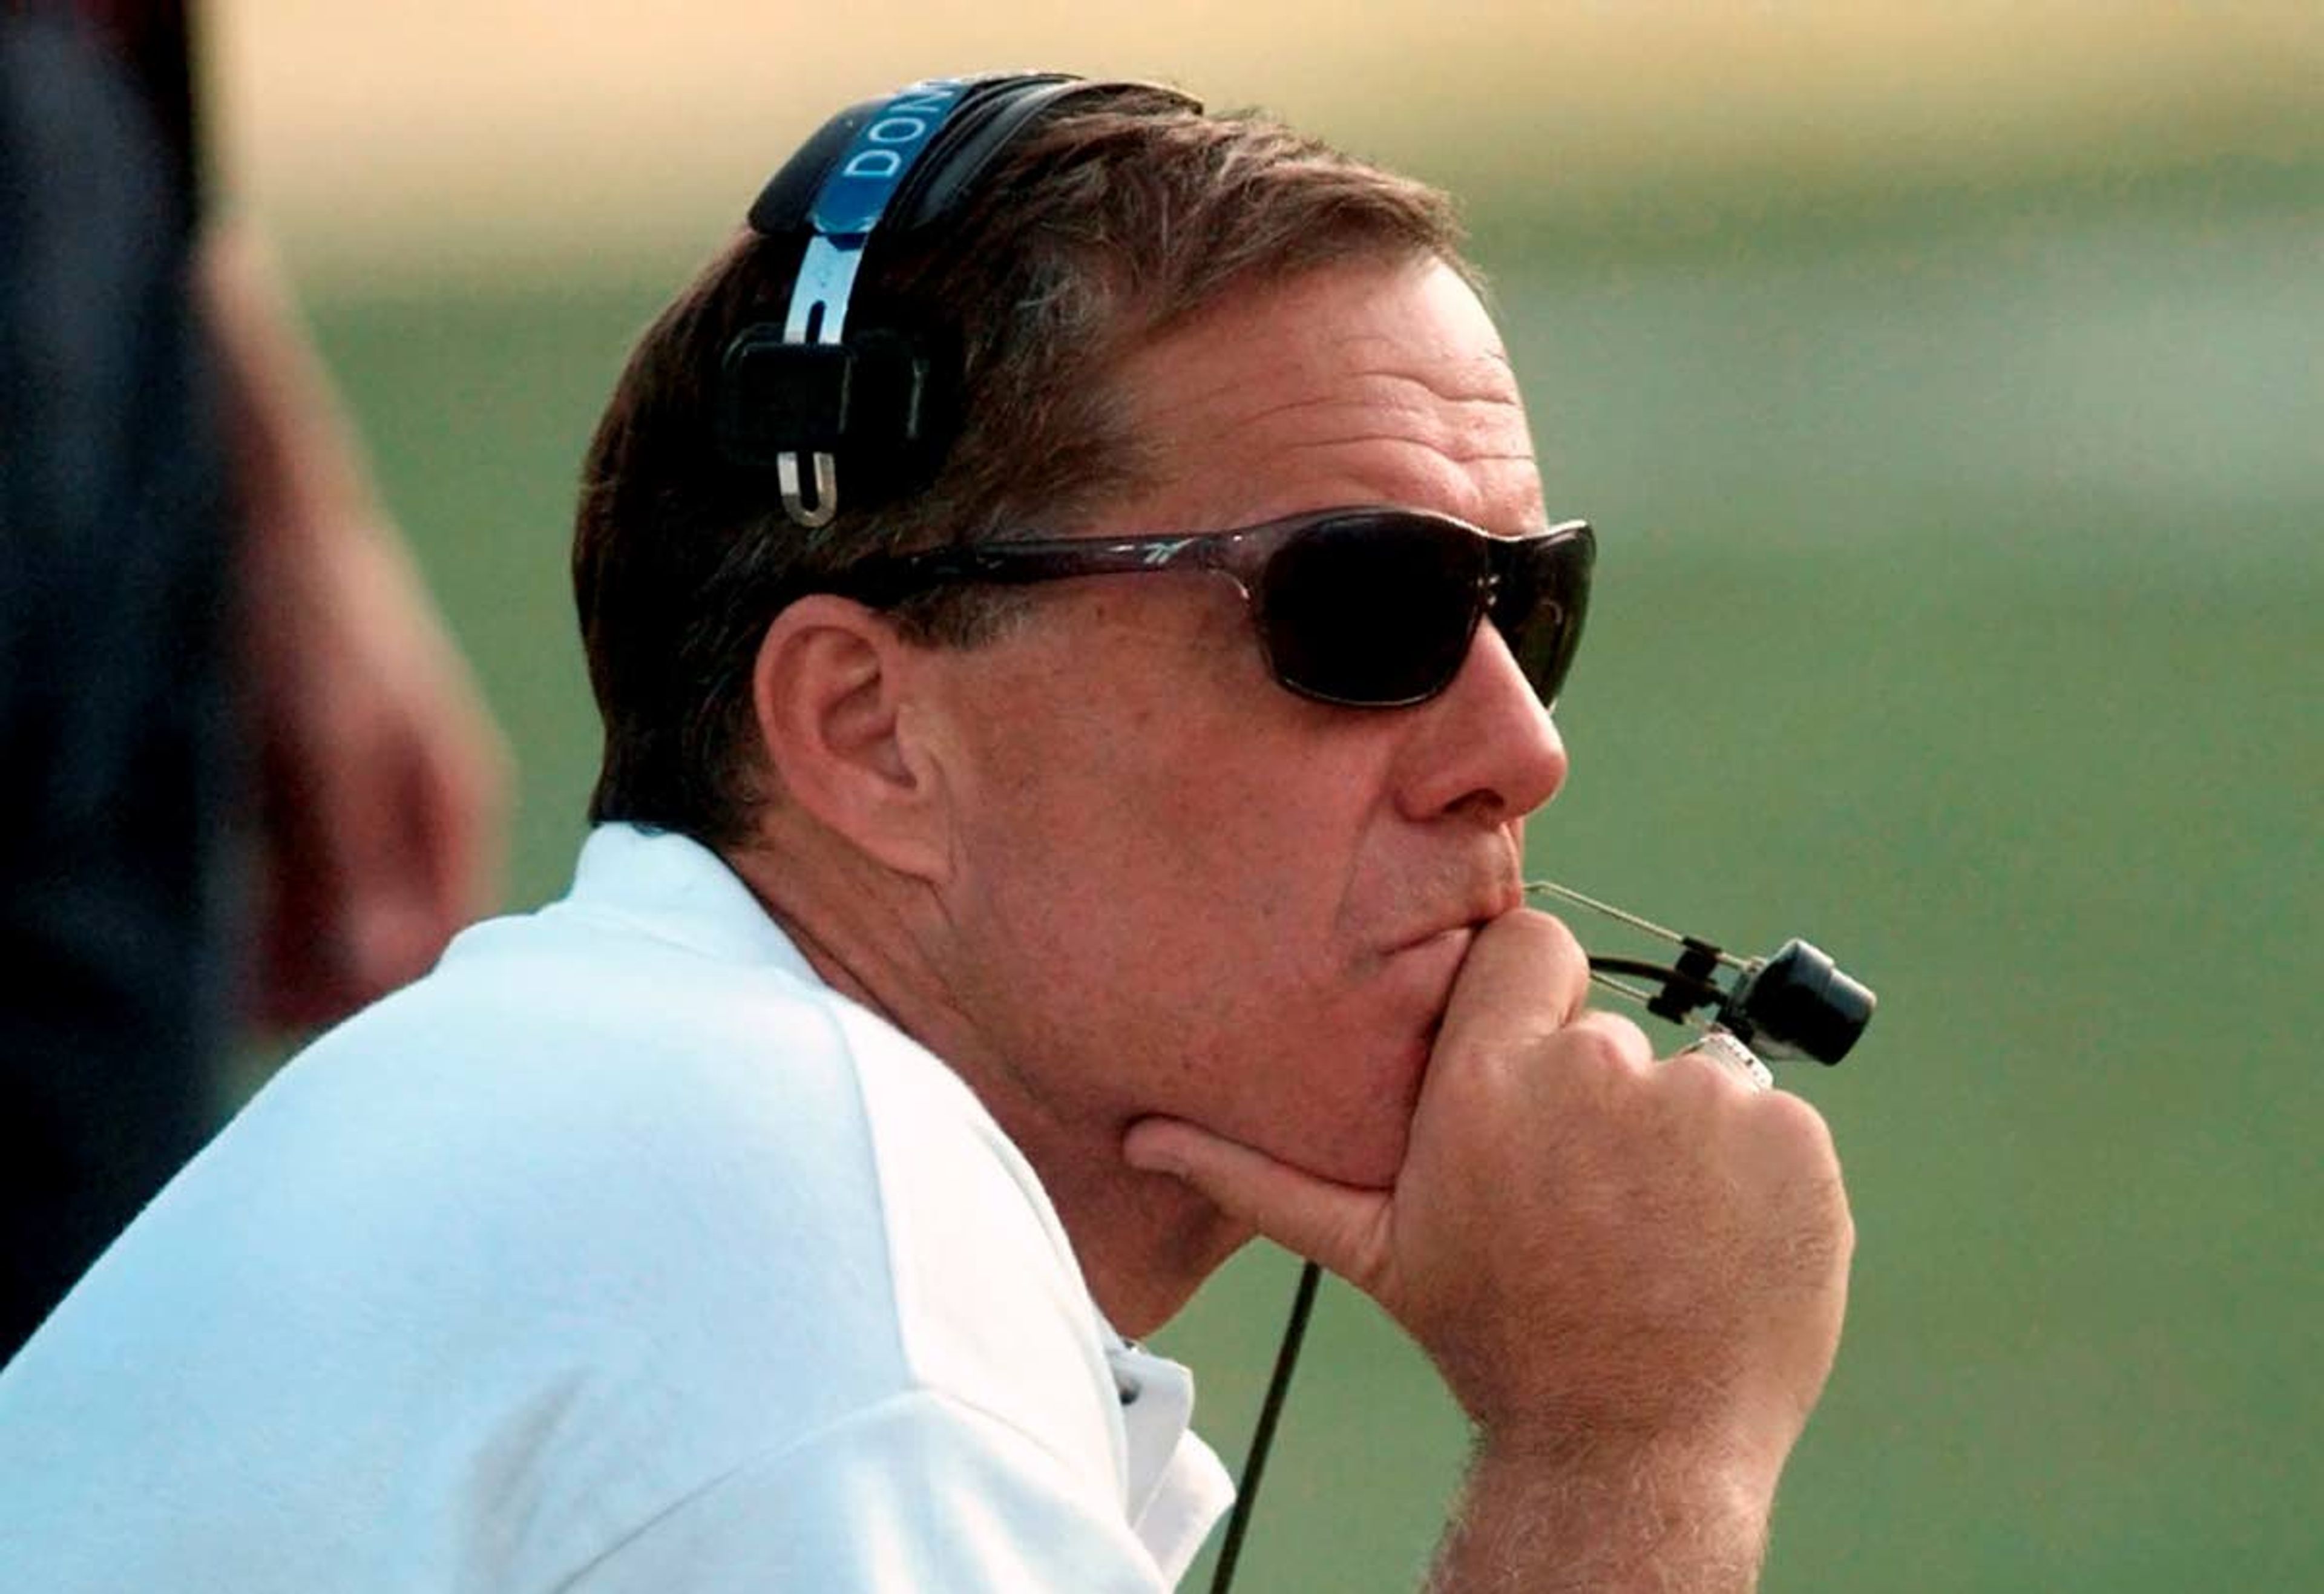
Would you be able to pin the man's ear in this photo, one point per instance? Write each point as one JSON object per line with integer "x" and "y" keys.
{"x": 833, "y": 692}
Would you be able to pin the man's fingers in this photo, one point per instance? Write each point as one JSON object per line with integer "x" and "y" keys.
{"x": 1337, "y": 1225}
{"x": 1525, "y": 977}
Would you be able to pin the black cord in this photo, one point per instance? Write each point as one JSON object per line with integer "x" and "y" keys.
{"x": 1696, "y": 992}
{"x": 1303, "y": 1302}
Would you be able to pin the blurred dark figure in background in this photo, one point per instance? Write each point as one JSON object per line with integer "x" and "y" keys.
{"x": 242, "y": 773}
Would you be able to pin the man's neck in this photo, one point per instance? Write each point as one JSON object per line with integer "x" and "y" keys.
{"x": 1144, "y": 1241}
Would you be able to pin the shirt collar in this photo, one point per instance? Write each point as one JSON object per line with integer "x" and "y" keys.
{"x": 1176, "y": 1487}
{"x": 676, "y": 889}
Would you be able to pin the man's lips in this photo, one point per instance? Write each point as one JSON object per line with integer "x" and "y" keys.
{"x": 1435, "y": 953}
{"x": 1462, "y": 922}
{"x": 1428, "y": 964}
{"x": 1463, "y": 933}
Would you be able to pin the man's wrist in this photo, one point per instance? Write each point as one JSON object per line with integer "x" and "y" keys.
{"x": 1547, "y": 1510}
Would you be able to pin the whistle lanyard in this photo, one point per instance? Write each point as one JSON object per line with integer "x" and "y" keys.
{"x": 1262, "y": 1435}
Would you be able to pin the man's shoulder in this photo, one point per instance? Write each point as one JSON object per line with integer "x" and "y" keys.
{"x": 586, "y": 1191}
{"x": 631, "y": 1069}
{"x": 657, "y": 997}
{"x": 646, "y": 1080}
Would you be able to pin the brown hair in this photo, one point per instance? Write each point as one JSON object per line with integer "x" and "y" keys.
{"x": 1104, "y": 229}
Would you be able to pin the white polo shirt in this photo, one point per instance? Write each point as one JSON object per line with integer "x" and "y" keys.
{"x": 619, "y": 1252}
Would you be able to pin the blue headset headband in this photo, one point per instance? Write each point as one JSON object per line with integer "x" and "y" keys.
{"x": 881, "y": 402}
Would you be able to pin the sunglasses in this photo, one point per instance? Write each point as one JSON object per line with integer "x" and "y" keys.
{"x": 1370, "y": 608}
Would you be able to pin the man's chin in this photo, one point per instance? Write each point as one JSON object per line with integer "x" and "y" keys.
{"x": 1369, "y": 1158}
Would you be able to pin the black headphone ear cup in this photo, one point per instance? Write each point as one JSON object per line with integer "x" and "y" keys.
{"x": 885, "y": 404}
{"x": 911, "y": 381}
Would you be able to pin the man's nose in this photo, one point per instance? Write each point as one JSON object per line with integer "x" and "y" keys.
{"x": 1490, "y": 743}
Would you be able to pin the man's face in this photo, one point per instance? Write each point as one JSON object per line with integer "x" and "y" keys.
{"x": 1178, "y": 888}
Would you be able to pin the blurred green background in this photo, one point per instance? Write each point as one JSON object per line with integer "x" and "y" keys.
{"x": 1949, "y": 400}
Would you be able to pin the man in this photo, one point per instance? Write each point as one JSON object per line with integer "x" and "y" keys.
{"x": 976, "y": 950}
{"x": 216, "y": 662}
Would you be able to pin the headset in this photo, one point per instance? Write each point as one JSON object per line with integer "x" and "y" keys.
{"x": 859, "y": 399}
{"x": 849, "y": 397}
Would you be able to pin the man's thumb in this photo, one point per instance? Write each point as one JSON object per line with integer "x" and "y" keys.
{"x": 1334, "y": 1224}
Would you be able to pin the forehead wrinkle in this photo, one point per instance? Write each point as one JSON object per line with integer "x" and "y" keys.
{"x": 1469, "y": 371}
{"x": 1423, "y": 446}
{"x": 1459, "y": 455}
{"x": 1357, "y": 388}
{"x": 1474, "y": 432}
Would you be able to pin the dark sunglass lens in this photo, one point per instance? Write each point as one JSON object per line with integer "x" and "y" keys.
{"x": 1539, "y": 602}
{"x": 1371, "y": 609}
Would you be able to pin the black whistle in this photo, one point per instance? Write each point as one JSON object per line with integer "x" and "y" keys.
{"x": 1795, "y": 1002}
{"x": 1798, "y": 1004}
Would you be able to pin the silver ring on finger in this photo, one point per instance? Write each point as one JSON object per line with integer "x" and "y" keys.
{"x": 1721, "y": 1046}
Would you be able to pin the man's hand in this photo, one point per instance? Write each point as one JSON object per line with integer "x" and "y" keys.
{"x": 1631, "y": 1274}
{"x": 382, "y": 777}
